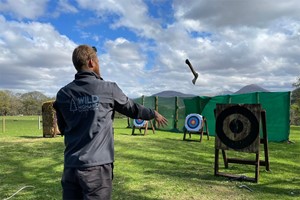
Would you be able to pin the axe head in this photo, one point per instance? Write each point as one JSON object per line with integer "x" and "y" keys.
{"x": 195, "y": 78}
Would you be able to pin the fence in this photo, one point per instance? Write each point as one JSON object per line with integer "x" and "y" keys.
{"x": 175, "y": 109}
{"x": 15, "y": 124}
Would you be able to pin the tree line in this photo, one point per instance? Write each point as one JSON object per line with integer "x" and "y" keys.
{"x": 295, "y": 104}
{"x": 29, "y": 103}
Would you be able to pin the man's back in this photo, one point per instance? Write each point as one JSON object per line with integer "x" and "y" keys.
{"x": 86, "y": 105}
{"x": 85, "y": 110}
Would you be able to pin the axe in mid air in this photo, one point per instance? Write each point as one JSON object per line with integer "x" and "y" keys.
{"x": 193, "y": 71}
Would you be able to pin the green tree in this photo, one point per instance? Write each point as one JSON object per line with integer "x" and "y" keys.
{"x": 16, "y": 104}
{"x": 32, "y": 102}
{"x": 297, "y": 83}
{"x": 295, "y": 117}
{"x": 295, "y": 96}
{"x": 4, "y": 103}
{"x": 295, "y": 101}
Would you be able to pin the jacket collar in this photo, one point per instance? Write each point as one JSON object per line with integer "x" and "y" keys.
{"x": 86, "y": 74}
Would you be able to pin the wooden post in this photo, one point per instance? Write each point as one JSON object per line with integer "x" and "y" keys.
{"x": 39, "y": 122}
{"x": 257, "y": 97}
{"x": 156, "y": 108}
{"x": 143, "y": 100}
{"x": 176, "y": 113}
{"x": 265, "y": 139}
{"x": 216, "y": 162}
{"x": 229, "y": 99}
{"x": 156, "y": 103}
{"x": 3, "y": 124}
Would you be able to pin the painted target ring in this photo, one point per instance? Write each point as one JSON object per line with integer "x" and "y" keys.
{"x": 193, "y": 122}
{"x": 237, "y": 126}
{"x": 139, "y": 122}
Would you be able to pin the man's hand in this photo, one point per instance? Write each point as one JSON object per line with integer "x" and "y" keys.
{"x": 161, "y": 120}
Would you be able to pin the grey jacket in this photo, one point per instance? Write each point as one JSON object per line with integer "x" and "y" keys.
{"x": 85, "y": 110}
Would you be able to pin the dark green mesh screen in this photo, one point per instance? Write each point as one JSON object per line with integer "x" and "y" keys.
{"x": 175, "y": 109}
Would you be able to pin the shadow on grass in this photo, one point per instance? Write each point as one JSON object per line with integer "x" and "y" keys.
{"x": 32, "y": 137}
{"x": 152, "y": 167}
{"x": 190, "y": 162}
{"x": 36, "y": 164}
{"x": 39, "y": 137}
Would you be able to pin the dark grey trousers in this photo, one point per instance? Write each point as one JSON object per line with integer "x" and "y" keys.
{"x": 89, "y": 183}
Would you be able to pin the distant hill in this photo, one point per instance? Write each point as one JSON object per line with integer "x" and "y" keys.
{"x": 170, "y": 93}
{"x": 251, "y": 88}
{"x": 224, "y": 92}
{"x": 247, "y": 89}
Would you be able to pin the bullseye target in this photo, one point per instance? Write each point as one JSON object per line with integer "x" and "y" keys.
{"x": 193, "y": 122}
{"x": 237, "y": 126}
{"x": 139, "y": 122}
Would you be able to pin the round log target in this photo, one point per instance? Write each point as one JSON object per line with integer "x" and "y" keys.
{"x": 237, "y": 127}
{"x": 139, "y": 122}
{"x": 193, "y": 122}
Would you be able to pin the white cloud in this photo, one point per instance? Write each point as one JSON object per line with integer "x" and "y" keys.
{"x": 239, "y": 41}
{"x": 234, "y": 52}
{"x": 123, "y": 63}
{"x": 63, "y": 7}
{"x": 132, "y": 14}
{"x": 34, "y": 56}
{"x": 230, "y": 43}
{"x": 256, "y": 13}
{"x": 21, "y": 9}
{"x": 66, "y": 7}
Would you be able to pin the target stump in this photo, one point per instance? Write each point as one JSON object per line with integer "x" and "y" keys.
{"x": 238, "y": 129}
{"x": 50, "y": 128}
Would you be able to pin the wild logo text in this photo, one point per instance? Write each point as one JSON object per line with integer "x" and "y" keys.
{"x": 84, "y": 103}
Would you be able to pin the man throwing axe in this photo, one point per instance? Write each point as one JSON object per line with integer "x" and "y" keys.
{"x": 85, "y": 110}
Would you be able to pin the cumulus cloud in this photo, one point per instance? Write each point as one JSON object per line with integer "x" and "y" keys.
{"x": 65, "y": 7}
{"x": 230, "y": 43}
{"x": 123, "y": 63}
{"x": 256, "y": 13}
{"x": 21, "y": 9}
{"x": 33, "y": 56}
{"x": 251, "y": 39}
{"x": 132, "y": 14}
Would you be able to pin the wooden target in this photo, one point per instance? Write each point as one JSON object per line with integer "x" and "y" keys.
{"x": 237, "y": 127}
{"x": 139, "y": 122}
{"x": 193, "y": 122}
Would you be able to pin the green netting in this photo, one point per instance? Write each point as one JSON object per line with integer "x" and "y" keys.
{"x": 148, "y": 102}
{"x": 175, "y": 109}
{"x": 166, "y": 106}
{"x": 276, "y": 104}
{"x": 182, "y": 110}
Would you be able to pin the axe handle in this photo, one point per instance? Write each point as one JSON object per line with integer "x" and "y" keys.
{"x": 191, "y": 67}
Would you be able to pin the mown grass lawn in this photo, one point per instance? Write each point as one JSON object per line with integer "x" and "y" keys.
{"x": 153, "y": 167}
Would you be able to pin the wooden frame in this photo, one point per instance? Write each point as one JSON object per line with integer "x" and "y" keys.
{"x": 200, "y": 132}
{"x": 145, "y": 127}
{"x": 257, "y": 162}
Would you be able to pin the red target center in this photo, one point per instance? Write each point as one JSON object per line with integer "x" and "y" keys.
{"x": 193, "y": 122}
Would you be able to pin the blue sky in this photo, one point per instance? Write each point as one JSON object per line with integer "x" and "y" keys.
{"x": 142, "y": 45}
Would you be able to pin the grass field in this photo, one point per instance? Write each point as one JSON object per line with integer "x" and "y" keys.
{"x": 153, "y": 167}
